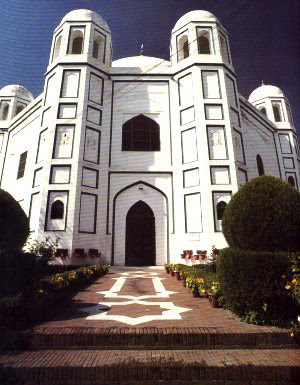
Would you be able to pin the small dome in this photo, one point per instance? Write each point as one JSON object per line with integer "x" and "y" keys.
{"x": 194, "y": 16}
{"x": 85, "y": 15}
{"x": 265, "y": 91}
{"x": 16, "y": 90}
{"x": 140, "y": 61}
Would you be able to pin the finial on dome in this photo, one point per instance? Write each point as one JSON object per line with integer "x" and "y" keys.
{"x": 142, "y": 50}
{"x": 262, "y": 83}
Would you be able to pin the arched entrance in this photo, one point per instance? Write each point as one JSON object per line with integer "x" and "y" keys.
{"x": 140, "y": 236}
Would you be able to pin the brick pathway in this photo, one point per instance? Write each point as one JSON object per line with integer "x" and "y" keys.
{"x": 141, "y": 326}
{"x": 198, "y": 313}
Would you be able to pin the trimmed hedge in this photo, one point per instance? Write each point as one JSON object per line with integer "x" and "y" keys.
{"x": 264, "y": 215}
{"x": 14, "y": 223}
{"x": 253, "y": 285}
{"x": 22, "y": 310}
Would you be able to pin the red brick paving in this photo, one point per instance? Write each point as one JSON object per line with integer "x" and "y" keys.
{"x": 202, "y": 314}
{"x": 233, "y": 353}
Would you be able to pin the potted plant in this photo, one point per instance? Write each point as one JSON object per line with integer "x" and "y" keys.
{"x": 196, "y": 257}
{"x": 214, "y": 294}
{"x": 93, "y": 253}
{"x": 171, "y": 268}
{"x": 62, "y": 253}
{"x": 183, "y": 278}
{"x": 79, "y": 253}
{"x": 202, "y": 254}
{"x": 166, "y": 265}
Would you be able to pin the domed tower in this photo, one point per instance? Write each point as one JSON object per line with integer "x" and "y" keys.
{"x": 13, "y": 99}
{"x": 76, "y": 105}
{"x": 271, "y": 101}
{"x": 207, "y": 108}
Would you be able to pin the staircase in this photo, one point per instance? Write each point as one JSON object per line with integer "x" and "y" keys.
{"x": 150, "y": 355}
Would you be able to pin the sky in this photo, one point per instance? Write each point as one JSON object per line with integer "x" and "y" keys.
{"x": 264, "y": 37}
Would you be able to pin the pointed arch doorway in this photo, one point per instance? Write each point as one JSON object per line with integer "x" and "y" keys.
{"x": 140, "y": 247}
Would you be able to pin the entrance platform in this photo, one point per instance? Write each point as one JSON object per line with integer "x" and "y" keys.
{"x": 141, "y": 326}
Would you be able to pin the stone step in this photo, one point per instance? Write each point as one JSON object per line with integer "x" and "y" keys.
{"x": 87, "y": 367}
{"x": 158, "y": 338}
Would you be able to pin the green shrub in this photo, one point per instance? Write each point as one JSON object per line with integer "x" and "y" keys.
{"x": 14, "y": 223}
{"x": 12, "y": 310}
{"x": 19, "y": 272}
{"x": 264, "y": 215}
{"x": 253, "y": 285}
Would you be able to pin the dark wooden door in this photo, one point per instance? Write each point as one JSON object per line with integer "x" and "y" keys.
{"x": 140, "y": 236}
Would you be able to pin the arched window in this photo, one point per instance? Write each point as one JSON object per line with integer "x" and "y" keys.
{"x": 140, "y": 134}
{"x": 263, "y": 110}
{"x": 221, "y": 206}
{"x": 77, "y": 45}
{"x": 76, "y": 41}
{"x": 57, "y": 48}
{"x": 224, "y": 48}
{"x": 19, "y": 109}
{"x": 98, "y": 47}
{"x": 183, "y": 48}
{"x": 291, "y": 181}
{"x": 5, "y": 112}
{"x": 260, "y": 165}
{"x": 277, "y": 115}
{"x": 57, "y": 210}
{"x": 203, "y": 45}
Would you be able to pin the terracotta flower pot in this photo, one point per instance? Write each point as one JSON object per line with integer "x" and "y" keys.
{"x": 196, "y": 257}
{"x": 172, "y": 273}
{"x": 196, "y": 293}
{"x": 167, "y": 270}
{"x": 177, "y": 275}
{"x": 183, "y": 256}
{"x": 214, "y": 302}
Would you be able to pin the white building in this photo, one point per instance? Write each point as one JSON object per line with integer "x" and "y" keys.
{"x": 137, "y": 158}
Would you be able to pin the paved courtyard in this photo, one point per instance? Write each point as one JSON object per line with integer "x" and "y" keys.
{"x": 143, "y": 297}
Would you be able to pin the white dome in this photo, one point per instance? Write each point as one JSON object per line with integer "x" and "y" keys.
{"x": 265, "y": 91}
{"x": 140, "y": 61}
{"x": 85, "y": 15}
{"x": 16, "y": 90}
{"x": 194, "y": 16}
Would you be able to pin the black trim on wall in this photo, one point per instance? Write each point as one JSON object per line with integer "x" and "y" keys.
{"x": 30, "y": 209}
{"x": 105, "y": 42}
{"x": 55, "y": 139}
{"x": 287, "y": 157}
{"x": 38, "y": 147}
{"x": 243, "y": 149}
{"x": 95, "y": 214}
{"x": 60, "y": 166}
{"x": 183, "y": 179}
{"x": 177, "y": 49}
{"x": 178, "y": 84}
{"x": 191, "y": 121}
{"x": 182, "y": 155}
{"x": 100, "y": 118}
{"x": 66, "y": 104}
{"x": 291, "y": 150}
{"x": 99, "y": 140}
{"x": 220, "y": 166}
{"x": 245, "y": 172}
{"x": 97, "y": 177}
{"x": 185, "y": 214}
{"x": 138, "y": 172}
{"x": 214, "y": 208}
{"x": 225, "y": 140}
{"x": 219, "y": 84}
{"x": 34, "y": 177}
{"x": 72, "y": 26}
{"x": 46, "y": 90}
{"x": 213, "y": 105}
{"x": 114, "y": 213}
{"x": 102, "y": 89}
{"x": 47, "y": 208}
{"x": 63, "y": 80}
{"x": 294, "y": 176}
